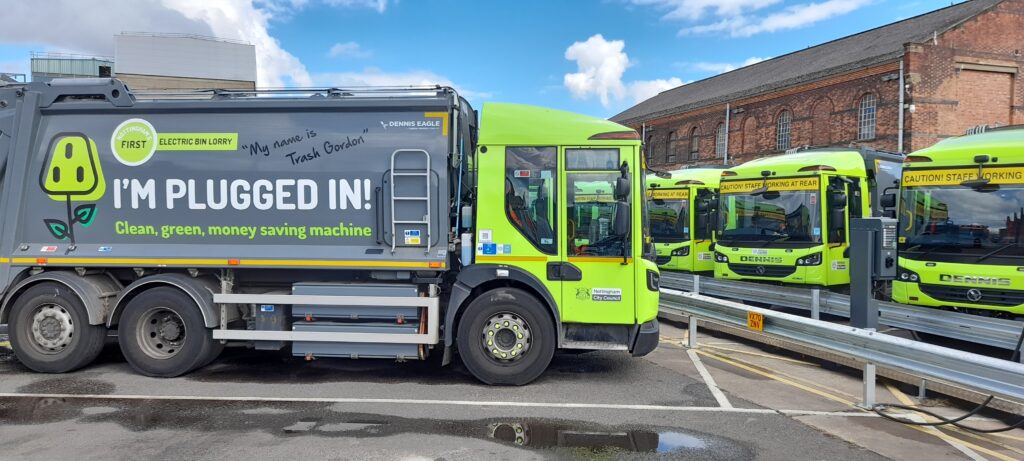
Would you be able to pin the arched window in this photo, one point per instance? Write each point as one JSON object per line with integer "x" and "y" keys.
{"x": 749, "y": 135}
{"x": 649, "y": 149}
{"x": 782, "y": 126}
{"x": 720, "y": 141}
{"x": 866, "y": 117}
{"x": 694, "y": 143}
{"x": 670, "y": 148}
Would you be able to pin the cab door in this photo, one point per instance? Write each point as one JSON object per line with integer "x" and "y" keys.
{"x": 597, "y": 266}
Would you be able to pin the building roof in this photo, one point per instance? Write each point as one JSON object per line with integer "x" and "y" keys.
{"x": 871, "y": 47}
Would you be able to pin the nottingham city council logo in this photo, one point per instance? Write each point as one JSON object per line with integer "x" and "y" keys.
{"x": 72, "y": 173}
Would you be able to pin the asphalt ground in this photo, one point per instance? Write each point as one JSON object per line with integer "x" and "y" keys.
{"x": 725, "y": 400}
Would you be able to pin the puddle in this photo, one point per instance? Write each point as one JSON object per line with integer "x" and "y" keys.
{"x": 68, "y": 384}
{"x": 319, "y": 420}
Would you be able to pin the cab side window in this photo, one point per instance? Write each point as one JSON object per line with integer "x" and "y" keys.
{"x": 530, "y": 194}
{"x": 591, "y": 176}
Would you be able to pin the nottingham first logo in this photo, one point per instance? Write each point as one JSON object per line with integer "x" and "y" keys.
{"x": 72, "y": 173}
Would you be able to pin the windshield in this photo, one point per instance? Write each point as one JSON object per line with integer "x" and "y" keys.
{"x": 670, "y": 215}
{"x": 775, "y": 216}
{"x": 964, "y": 225}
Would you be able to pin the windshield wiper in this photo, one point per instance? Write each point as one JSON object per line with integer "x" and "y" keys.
{"x": 993, "y": 252}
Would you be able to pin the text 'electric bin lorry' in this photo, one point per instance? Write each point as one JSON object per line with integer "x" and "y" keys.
{"x": 359, "y": 223}
{"x": 682, "y": 209}
{"x": 786, "y": 218}
{"x": 961, "y": 213}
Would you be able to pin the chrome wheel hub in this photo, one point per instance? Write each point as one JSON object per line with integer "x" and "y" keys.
{"x": 506, "y": 337}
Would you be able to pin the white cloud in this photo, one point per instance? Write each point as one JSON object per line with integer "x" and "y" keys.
{"x": 349, "y": 50}
{"x": 744, "y": 18}
{"x": 372, "y": 76}
{"x": 81, "y": 27}
{"x": 643, "y": 90}
{"x": 600, "y": 65}
{"x": 379, "y": 5}
{"x": 723, "y": 67}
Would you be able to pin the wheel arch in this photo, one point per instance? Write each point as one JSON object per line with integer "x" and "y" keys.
{"x": 478, "y": 278}
{"x": 94, "y": 290}
{"x": 201, "y": 291}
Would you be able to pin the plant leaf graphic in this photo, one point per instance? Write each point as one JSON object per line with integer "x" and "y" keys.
{"x": 85, "y": 214}
{"x": 57, "y": 227}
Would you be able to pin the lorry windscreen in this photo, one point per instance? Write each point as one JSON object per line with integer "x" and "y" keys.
{"x": 781, "y": 217}
{"x": 963, "y": 225}
{"x": 670, "y": 219}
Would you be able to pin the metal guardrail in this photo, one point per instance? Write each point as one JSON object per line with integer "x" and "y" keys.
{"x": 998, "y": 377}
{"x": 995, "y": 332}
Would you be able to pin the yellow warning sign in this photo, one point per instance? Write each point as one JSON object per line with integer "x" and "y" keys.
{"x": 781, "y": 184}
{"x": 669, "y": 194}
{"x": 955, "y": 176}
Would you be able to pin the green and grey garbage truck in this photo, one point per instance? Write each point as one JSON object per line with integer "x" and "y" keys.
{"x": 389, "y": 223}
{"x": 682, "y": 206}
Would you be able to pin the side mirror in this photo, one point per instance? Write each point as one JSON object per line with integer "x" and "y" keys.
{"x": 836, "y": 219}
{"x": 622, "y": 187}
{"x": 837, "y": 200}
{"x": 887, "y": 201}
{"x": 623, "y": 214}
{"x": 700, "y": 221}
{"x": 702, "y": 206}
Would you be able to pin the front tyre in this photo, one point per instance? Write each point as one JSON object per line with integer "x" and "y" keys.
{"x": 506, "y": 337}
{"x": 50, "y": 330}
{"x": 162, "y": 333}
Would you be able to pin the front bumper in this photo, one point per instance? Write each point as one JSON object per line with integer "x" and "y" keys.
{"x": 646, "y": 338}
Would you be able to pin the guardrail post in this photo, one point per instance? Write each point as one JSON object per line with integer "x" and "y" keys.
{"x": 869, "y": 386}
{"x": 922, "y": 389}
{"x": 691, "y": 325}
{"x": 696, "y": 284}
{"x": 816, "y": 304}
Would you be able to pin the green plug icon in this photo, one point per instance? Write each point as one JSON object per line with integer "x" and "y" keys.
{"x": 72, "y": 173}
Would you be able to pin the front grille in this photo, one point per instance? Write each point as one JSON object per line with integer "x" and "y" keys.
{"x": 989, "y": 296}
{"x": 662, "y": 260}
{"x": 751, "y": 270}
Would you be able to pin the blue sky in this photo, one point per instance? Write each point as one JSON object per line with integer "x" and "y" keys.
{"x": 596, "y": 57}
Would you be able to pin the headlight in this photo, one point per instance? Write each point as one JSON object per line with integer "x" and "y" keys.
{"x": 907, "y": 275}
{"x": 809, "y": 260}
{"x": 684, "y": 251}
{"x": 721, "y": 258}
{"x": 653, "y": 280}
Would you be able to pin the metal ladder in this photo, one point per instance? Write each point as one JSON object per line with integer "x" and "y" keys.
{"x": 425, "y": 174}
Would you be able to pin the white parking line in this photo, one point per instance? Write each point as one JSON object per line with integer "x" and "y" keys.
{"x": 598, "y": 406}
{"x": 712, "y": 386}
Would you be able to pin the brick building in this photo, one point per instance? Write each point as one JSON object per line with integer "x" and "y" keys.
{"x": 959, "y": 67}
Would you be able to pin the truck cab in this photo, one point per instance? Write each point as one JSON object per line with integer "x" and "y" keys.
{"x": 682, "y": 206}
{"x": 785, "y": 219}
{"x": 961, "y": 211}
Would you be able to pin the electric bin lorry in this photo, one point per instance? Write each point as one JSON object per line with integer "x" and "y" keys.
{"x": 360, "y": 223}
{"x": 682, "y": 207}
{"x": 961, "y": 213}
{"x": 785, "y": 219}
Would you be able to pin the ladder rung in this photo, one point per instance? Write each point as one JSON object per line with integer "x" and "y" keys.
{"x": 412, "y": 198}
{"x": 412, "y": 222}
{"x": 410, "y": 174}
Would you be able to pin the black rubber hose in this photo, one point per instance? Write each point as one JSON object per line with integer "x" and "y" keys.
{"x": 943, "y": 421}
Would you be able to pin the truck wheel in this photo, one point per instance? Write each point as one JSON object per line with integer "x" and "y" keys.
{"x": 506, "y": 337}
{"x": 162, "y": 333}
{"x": 50, "y": 330}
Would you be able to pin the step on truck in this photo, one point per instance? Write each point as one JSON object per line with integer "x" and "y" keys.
{"x": 785, "y": 219}
{"x": 961, "y": 212}
{"x": 356, "y": 223}
{"x": 682, "y": 206}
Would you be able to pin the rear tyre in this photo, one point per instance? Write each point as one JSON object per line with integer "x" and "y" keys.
{"x": 506, "y": 337}
{"x": 162, "y": 334}
{"x": 50, "y": 331}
